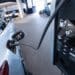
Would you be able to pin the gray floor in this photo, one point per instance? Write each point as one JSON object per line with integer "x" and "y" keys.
{"x": 37, "y": 62}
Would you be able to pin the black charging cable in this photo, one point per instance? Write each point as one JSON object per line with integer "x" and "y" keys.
{"x": 48, "y": 24}
{"x": 50, "y": 21}
{"x": 46, "y": 28}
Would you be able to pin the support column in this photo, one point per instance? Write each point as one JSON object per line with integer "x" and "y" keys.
{"x": 19, "y": 5}
{"x": 45, "y": 3}
{"x": 29, "y": 3}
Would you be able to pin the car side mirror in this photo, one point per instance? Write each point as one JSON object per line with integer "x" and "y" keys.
{"x": 18, "y": 36}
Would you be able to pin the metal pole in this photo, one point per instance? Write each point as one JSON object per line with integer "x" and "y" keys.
{"x": 20, "y": 8}
{"x": 45, "y": 3}
{"x": 26, "y": 5}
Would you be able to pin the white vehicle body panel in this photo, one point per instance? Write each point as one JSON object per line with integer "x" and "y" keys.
{"x": 14, "y": 60}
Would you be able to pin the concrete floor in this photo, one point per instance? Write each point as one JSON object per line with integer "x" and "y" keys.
{"x": 37, "y": 62}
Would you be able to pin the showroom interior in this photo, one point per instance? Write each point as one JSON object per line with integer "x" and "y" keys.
{"x": 41, "y": 39}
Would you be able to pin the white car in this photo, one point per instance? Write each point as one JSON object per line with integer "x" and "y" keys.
{"x": 11, "y": 62}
